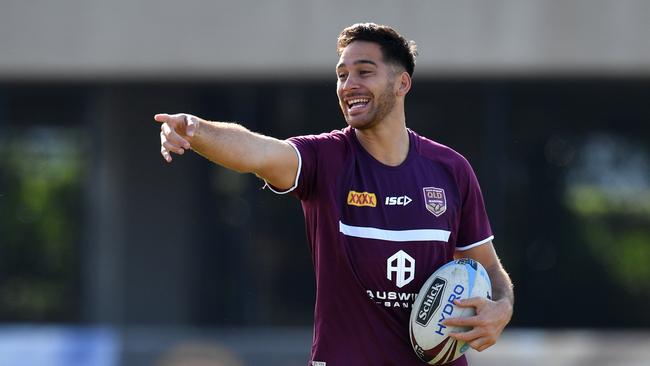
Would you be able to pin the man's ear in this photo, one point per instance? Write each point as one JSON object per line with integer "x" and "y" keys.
{"x": 404, "y": 84}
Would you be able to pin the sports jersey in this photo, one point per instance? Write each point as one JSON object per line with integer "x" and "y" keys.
{"x": 376, "y": 233}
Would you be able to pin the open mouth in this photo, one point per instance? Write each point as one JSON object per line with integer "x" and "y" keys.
{"x": 356, "y": 104}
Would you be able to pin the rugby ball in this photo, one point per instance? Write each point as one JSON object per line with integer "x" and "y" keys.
{"x": 458, "y": 279}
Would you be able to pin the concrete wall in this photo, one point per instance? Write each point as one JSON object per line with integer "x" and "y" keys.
{"x": 207, "y": 39}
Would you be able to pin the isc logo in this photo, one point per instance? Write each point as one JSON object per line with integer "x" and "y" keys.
{"x": 398, "y": 201}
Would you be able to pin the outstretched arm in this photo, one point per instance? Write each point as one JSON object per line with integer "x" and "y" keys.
{"x": 230, "y": 145}
{"x": 491, "y": 315}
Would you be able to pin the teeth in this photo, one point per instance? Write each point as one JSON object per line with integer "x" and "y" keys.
{"x": 352, "y": 102}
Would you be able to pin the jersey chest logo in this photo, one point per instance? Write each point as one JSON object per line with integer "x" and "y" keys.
{"x": 361, "y": 199}
{"x": 435, "y": 200}
{"x": 398, "y": 201}
{"x": 402, "y": 266}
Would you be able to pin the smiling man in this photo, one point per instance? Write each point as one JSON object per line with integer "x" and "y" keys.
{"x": 384, "y": 207}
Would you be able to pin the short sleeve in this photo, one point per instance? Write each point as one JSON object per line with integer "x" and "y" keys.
{"x": 317, "y": 155}
{"x": 296, "y": 179}
{"x": 307, "y": 148}
{"x": 474, "y": 228}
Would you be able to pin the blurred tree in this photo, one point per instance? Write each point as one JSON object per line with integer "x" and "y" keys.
{"x": 40, "y": 187}
{"x": 609, "y": 193}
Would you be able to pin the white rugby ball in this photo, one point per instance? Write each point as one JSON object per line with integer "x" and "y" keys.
{"x": 458, "y": 279}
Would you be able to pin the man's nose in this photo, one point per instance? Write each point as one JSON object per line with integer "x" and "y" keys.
{"x": 351, "y": 82}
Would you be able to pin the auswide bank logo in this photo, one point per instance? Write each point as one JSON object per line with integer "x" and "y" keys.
{"x": 400, "y": 267}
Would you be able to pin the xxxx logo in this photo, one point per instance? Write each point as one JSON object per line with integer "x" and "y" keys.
{"x": 361, "y": 199}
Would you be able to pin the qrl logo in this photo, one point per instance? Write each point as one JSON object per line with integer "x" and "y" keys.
{"x": 403, "y": 266}
{"x": 435, "y": 200}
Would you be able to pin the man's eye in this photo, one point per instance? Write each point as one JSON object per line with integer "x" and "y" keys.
{"x": 342, "y": 76}
{"x": 365, "y": 72}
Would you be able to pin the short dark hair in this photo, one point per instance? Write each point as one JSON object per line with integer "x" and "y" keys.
{"x": 394, "y": 47}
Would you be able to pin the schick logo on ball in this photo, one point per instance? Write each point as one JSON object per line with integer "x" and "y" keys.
{"x": 431, "y": 301}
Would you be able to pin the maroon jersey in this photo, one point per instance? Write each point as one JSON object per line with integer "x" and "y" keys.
{"x": 376, "y": 233}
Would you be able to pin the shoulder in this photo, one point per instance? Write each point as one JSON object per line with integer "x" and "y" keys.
{"x": 333, "y": 136}
{"x": 334, "y": 140}
{"x": 441, "y": 154}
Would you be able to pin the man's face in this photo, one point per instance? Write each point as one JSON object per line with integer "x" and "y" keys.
{"x": 365, "y": 86}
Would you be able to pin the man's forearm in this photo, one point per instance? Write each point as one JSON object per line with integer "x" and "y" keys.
{"x": 228, "y": 144}
{"x": 235, "y": 147}
{"x": 502, "y": 289}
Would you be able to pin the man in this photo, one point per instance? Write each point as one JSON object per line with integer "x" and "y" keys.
{"x": 384, "y": 207}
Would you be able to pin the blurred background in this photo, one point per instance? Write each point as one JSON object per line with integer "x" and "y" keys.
{"x": 111, "y": 257}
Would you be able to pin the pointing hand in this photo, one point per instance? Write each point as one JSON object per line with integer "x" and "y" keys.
{"x": 176, "y": 133}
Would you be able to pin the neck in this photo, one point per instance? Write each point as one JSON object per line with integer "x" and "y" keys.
{"x": 387, "y": 141}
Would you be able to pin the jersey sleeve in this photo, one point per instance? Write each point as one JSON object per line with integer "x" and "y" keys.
{"x": 307, "y": 148}
{"x": 474, "y": 228}
{"x": 315, "y": 155}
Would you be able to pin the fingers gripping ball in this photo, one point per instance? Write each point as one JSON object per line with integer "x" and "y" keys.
{"x": 458, "y": 279}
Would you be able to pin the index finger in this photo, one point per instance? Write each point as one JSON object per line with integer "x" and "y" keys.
{"x": 471, "y": 302}
{"x": 170, "y": 118}
{"x": 469, "y": 321}
{"x": 162, "y": 117}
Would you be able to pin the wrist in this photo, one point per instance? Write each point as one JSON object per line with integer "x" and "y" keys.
{"x": 506, "y": 305}
{"x": 192, "y": 127}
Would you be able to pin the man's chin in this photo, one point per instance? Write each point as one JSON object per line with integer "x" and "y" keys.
{"x": 358, "y": 126}
{"x": 358, "y": 123}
